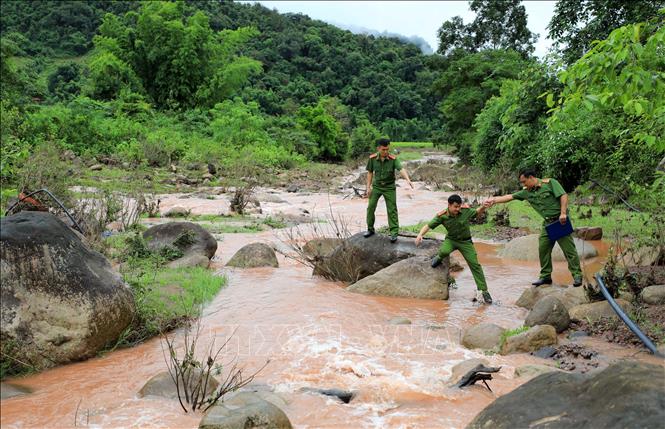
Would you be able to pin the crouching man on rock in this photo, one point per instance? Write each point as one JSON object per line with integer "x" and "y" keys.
{"x": 456, "y": 221}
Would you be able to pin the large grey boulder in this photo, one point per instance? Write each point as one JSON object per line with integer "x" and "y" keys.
{"x": 598, "y": 310}
{"x": 485, "y": 336}
{"x": 654, "y": 294}
{"x": 627, "y": 394}
{"x": 245, "y": 410}
{"x": 549, "y": 311}
{"x": 526, "y": 249}
{"x": 254, "y": 255}
{"x": 61, "y": 301}
{"x": 409, "y": 278}
{"x": 358, "y": 257}
{"x": 569, "y": 296}
{"x": 529, "y": 341}
{"x": 190, "y": 238}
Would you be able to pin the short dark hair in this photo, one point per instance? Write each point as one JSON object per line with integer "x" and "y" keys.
{"x": 454, "y": 198}
{"x": 528, "y": 172}
{"x": 383, "y": 142}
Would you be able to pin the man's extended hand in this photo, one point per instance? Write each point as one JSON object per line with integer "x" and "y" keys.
{"x": 563, "y": 218}
{"x": 419, "y": 240}
{"x": 488, "y": 203}
{"x": 368, "y": 193}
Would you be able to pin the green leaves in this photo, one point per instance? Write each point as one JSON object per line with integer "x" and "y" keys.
{"x": 177, "y": 60}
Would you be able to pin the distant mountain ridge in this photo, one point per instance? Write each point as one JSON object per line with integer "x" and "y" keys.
{"x": 425, "y": 47}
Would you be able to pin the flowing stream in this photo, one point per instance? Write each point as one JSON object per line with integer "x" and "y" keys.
{"x": 315, "y": 334}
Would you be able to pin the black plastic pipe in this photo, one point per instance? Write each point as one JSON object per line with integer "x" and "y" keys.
{"x": 633, "y": 327}
{"x": 47, "y": 192}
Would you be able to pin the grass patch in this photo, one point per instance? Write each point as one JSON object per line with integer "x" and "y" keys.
{"x": 121, "y": 180}
{"x": 511, "y": 333}
{"x": 410, "y": 156}
{"x": 400, "y": 145}
{"x": 5, "y": 195}
{"x": 166, "y": 298}
{"x": 12, "y": 364}
{"x": 225, "y": 228}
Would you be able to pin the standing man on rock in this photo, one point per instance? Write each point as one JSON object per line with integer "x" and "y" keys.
{"x": 381, "y": 168}
{"x": 550, "y": 200}
{"x": 456, "y": 221}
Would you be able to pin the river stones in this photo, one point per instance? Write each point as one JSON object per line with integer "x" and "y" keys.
{"x": 254, "y": 255}
{"x": 627, "y": 394}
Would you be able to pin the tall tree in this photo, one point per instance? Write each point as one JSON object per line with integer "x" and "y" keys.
{"x": 498, "y": 25}
{"x": 178, "y": 59}
{"x": 577, "y": 23}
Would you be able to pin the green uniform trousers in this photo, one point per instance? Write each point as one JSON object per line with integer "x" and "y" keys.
{"x": 567, "y": 244}
{"x": 390, "y": 197}
{"x": 470, "y": 256}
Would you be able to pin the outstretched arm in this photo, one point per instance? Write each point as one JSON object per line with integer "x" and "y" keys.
{"x": 499, "y": 200}
{"x": 422, "y": 232}
{"x": 368, "y": 188}
{"x": 405, "y": 176}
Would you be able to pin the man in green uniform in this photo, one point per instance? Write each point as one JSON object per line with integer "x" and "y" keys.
{"x": 550, "y": 200}
{"x": 456, "y": 221}
{"x": 381, "y": 168}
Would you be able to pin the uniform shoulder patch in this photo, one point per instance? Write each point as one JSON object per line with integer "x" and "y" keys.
{"x": 442, "y": 213}
{"x": 393, "y": 157}
{"x": 372, "y": 156}
{"x": 545, "y": 180}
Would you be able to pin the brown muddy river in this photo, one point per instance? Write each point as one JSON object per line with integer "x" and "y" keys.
{"x": 315, "y": 334}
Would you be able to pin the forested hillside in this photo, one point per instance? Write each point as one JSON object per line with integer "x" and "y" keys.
{"x": 153, "y": 83}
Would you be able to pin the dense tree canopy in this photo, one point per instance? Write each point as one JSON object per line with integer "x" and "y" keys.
{"x": 498, "y": 25}
{"x": 577, "y": 23}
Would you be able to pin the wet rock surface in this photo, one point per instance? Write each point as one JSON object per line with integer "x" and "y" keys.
{"x": 410, "y": 278}
{"x": 61, "y": 301}
{"x": 549, "y": 311}
{"x": 246, "y": 410}
{"x": 360, "y": 257}
{"x": 189, "y": 238}
{"x": 485, "y": 336}
{"x": 626, "y": 394}
{"x": 254, "y": 255}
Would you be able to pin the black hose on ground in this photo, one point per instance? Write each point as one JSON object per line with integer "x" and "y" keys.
{"x": 57, "y": 201}
{"x": 617, "y": 309}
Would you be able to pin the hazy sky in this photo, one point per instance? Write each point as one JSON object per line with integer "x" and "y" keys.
{"x": 410, "y": 18}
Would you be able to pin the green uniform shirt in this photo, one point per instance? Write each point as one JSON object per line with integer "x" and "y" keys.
{"x": 544, "y": 198}
{"x": 457, "y": 226}
{"x": 384, "y": 171}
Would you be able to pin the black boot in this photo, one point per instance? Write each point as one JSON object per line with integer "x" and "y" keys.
{"x": 436, "y": 261}
{"x": 393, "y": 238}
{"x": 577, "y": 282}
{"x": 540, "y": 282}
{"x": 368, "y": 233}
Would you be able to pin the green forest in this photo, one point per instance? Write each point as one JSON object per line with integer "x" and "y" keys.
{"x": 150, "y": 84}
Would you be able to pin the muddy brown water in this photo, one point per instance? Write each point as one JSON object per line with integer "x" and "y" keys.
{"x": 315, "y": 334}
